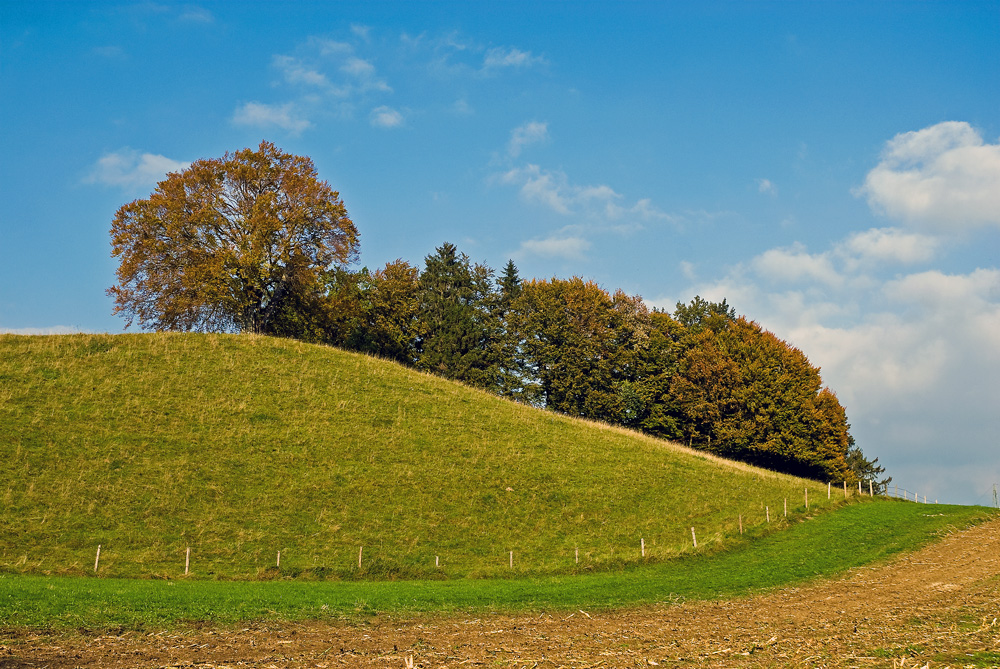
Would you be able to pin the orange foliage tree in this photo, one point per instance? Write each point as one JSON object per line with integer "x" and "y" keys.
{"x": 239, "y": 243}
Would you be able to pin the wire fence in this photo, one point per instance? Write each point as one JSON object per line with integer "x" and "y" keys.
{"x": 371, "y": 560}
{"x": 910, "y": 495}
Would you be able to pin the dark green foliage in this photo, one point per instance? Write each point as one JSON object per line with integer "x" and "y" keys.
{"x": 867, "y": 470}
{"x": 565, "y": 327}
{"x": 702, "y": 314}
{"x": 456, "y": 327}
{"x": 702, "y": 376}
{"x": 506, "y": 345}
{"x": 386, "y": 320}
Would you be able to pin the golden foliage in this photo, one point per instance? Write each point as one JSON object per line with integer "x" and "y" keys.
{"x": 228, "y": 243}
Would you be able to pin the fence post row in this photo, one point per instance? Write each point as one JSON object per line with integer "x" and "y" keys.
{"x": 642, "y": 540}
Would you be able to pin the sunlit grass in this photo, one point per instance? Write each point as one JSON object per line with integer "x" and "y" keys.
{"x": 824, "y": 545}
{"x": 240, "y": 447}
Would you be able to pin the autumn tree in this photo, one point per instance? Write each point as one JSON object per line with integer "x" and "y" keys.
{"x": 387, "y": 315}
{"x": 565, "y": 327}
{"x": 238, "y": 243}
{"x": 743, "y": 393}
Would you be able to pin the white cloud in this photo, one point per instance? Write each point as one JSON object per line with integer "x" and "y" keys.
{"x": 688, "y": 270}
{"x": 914, "y": 357}
{"x": 128, "y": 168}
{"x": 947, "y": 292}
{"x": 197, "y": 15}
{"x": 329, "y": 47}
{"x": 361, "y": 31}
{"x": 386, "y": 117}
{"x": 463, "y": 108}
{"x": 530, "y": 133}
{"x": 553, "y": 190}
{"x": 643, "y": 210}
{"x": 327, "y": 77}
{"x": 284, "y": 116}
{"x": 112, "y": 52}
{"x": 570, "y": 248}
{"x": 539, "y": 186}
{"x": 499, "y": 57}
{"x": 358, "y": 67}
{"x": 794, "y": 264}
{"x": 767, "y": 187}
{"x": 889, "y": 245}
{"x": 52, "y": 330}
{"x": 295, "y": 72}
{"x": 943, "y": 176}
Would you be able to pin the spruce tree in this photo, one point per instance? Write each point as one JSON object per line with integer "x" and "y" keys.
{"x": 454, "y": 338}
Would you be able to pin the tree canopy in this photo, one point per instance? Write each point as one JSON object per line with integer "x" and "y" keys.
{"x": 255, "y": 242}
{"x": 241, "y": 242}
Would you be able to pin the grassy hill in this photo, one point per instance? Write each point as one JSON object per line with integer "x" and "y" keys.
{"x": 239, "y": 447}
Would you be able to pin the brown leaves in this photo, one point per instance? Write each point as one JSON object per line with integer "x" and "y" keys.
{"x": 229, "y": 243}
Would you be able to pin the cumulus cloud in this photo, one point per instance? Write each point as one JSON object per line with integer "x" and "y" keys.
{"x": 325, "y": 77}
{"x": 911, "y": 351}
{"x": 530, "y": 133}
{"x": 361, "y": 31}
{"x": 920, "y": 372}
{"x": 767, "y": 187}
{"x": 295, "y": 72}
{"x": 262, "y": 115}
{"x": 913, "y": 356}
{"x": 889, "y": 245}
{"x": 946, "y": 293}
{"x": 501, "y": 57}
{"x": 944, "y": 176}
{"x": 52, "y": 330}
{"x": 359, "y": 75}
{"x": 794, "y": 264}
{"x": 386, "y": 117}
{"x": 328, "y": 47}
{"x": 197, "y": 15}
{"x": 570, "y": 248}
{"x": 358, "y": 67}
{"x": 548, "y": 188}
{"x": 112, "y": 52}
{"x": 553, "y": 190}
{"x": 128, "y": 168}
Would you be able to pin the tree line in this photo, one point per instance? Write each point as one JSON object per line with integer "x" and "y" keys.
{"x": 254, "y": 242}
{"x": 701, "y": 375}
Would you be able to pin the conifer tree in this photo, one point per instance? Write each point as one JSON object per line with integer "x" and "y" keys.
{"x": 454, "y": 332}
{"x": 506, "y": 345}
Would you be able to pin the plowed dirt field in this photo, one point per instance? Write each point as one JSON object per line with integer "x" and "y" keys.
{"x": 939, "y": 607}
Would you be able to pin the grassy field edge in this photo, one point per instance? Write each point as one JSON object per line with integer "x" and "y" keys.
{"x": 820, "y": 546}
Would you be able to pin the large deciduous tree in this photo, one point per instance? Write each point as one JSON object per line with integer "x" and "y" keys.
{"x": 566, "y": 329}
{"x": 241, "y": 242}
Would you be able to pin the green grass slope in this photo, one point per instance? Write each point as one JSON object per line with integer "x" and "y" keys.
{"x": 239, "y": 447}
{"x": 827, "y": 544}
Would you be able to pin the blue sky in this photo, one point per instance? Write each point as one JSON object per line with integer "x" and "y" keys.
{"x": 832, "y": 169}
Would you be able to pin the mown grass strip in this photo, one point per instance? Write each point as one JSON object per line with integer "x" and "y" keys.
{"x": 824, "y": 545}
